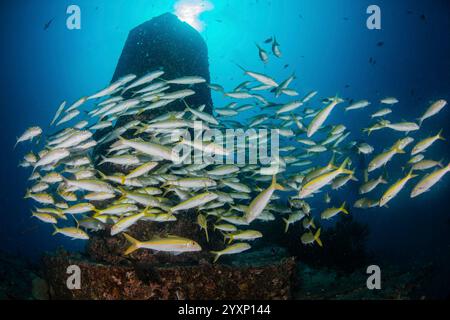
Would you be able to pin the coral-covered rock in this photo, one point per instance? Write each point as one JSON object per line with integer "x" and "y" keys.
{"x": 18, "y": 279}
{"x": 176, "y": 282}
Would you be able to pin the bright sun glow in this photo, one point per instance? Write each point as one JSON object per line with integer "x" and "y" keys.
{"x": 189, "y": 11}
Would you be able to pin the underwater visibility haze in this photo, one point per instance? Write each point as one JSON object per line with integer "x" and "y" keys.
{"x": 358, "y": 129}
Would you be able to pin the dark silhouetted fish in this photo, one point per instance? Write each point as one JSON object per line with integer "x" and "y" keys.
{"x": 47, "y": 25}
{"x": 380, "y": 44}
{"x": 268, "y": 40}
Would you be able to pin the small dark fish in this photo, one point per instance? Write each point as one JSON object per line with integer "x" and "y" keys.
{"x": 286, "y": 66}
{"x": 347, "y": 86}
{"x": 276, "y": 48}
{"x": 346, "y": 19}
{"x": 409, "y": 12}
{"x": 218, "y": 20}
{"x": 268, "y": 40}
{"x": 47, "y": 25}
{"x": 380, "y": 44}
{"x": 423, "y": 17}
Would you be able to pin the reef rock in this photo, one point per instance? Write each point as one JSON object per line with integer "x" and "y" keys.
{"x": 271, "y": 279}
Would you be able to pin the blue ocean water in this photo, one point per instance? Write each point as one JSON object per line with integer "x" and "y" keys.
{"x": 326, "y": 43}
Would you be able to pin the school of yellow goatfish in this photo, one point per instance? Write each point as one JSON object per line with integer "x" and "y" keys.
{"x": 156, "y": 185}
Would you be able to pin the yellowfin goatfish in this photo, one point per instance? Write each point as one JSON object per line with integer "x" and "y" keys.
{"x": 426, "y": 143}
{"x": 322, "y": 180}
{"x": 332, "y": 212}
{"x": 29, "y": 134}
{"x": 395, "y": 189}
{"x": 434, "y": 109}
{"x": 310, "y": 238}
{"x": 322, "y": 116}
{"x": 429, "y": 181}
{"x": 233, "y": 249}
{"x": 258, "y": 204}
{"x": 170, "y": 243}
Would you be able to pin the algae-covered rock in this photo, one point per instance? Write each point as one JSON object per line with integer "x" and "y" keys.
{"x": 329, "y": 284}
{"x": 40, "y": 289}
{"x": 16, "y": 277}
{"x": 176, "y": 282}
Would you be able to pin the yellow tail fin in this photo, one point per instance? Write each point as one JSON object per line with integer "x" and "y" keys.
{"x": 342, "y": 208}
{"x": 331, "y": 163}
{"x": 56, "y": 230}
{"x": 275, "y": 185}
{"x": 343, "y": 166}
{"x": 287, "y": 225}
{"x": 316, "y": 237}
{"x": 134, "y": 244}
{"x": 439, "y": 136}
{"x": 312, "y": 223}
{"x": 411, "y": 174}
{"x": 217, "y": 256}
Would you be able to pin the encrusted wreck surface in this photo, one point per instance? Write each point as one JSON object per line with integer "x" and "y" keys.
{"x": 192, "y": 282}
{"x": 169, "y": 44}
